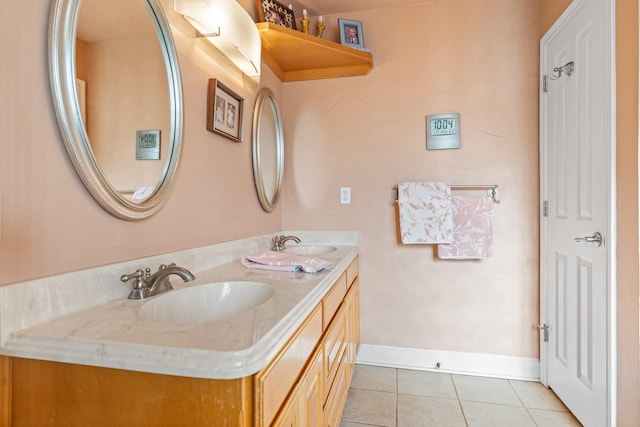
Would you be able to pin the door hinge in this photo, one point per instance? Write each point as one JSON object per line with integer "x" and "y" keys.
{"x": 545, "y": 208}
{"x": 545, "y": 87}
{"x": 545, "y": 332}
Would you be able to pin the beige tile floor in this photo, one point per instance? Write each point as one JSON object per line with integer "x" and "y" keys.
{"x": 406, "y": 398}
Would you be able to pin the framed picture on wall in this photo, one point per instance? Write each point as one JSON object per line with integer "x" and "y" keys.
{"x": 276, "y": 13}
{"x": 351, "y": 33}
{"x": 224, "y": 111}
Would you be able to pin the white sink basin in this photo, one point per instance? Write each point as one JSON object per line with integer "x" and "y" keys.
{"x": 310, "y": 249}
{"x": 204, "y": 303}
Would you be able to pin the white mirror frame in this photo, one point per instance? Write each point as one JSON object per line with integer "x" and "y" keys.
{"x": 266, "y": 99}
{"x": 62, "y": 51}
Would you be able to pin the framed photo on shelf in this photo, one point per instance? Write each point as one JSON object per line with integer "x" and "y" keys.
{"x": 224, "y": 111}
{"x": 276, "y": 13}
{"x": 351, "y": 33}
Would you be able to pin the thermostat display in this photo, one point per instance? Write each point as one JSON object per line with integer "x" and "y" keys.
{"x": 147, "y": 145}
{"x": 443, "y": 131}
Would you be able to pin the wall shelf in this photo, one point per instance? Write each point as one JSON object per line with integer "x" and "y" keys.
{"x": 295, "y": 56}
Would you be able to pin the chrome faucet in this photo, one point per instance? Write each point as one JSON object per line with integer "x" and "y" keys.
{"x": 279, "y": 242}
{"x": 147, "y": 285}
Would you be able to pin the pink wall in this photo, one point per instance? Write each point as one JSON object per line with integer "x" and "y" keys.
{"x": 627, "y": 218}
{"x": 138, "y": 98}
{"x": 367, "y": 133}
{"x": 49, "y": 223}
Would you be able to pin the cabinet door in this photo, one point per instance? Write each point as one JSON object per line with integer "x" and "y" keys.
{"x": 335, "y": 348}
{"x": 338, "y": 395}
{"x": 304, "y": 406}
{"x": 311, "y": 394}
{"x": 353, "y": 322}
{"x": 290, "y": 415}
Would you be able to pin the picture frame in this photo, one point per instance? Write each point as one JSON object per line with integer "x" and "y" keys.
{"x": 276, "y": 13}
{"x": 351, "y": 33}
{"x": 225, "y": 111}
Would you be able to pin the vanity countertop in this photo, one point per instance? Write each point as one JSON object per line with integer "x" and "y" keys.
{"x": 113, "y": 335}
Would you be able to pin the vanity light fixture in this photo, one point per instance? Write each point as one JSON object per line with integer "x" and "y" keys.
{"x": 229, "y": 28}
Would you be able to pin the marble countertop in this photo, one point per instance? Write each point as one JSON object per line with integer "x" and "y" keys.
{"x": 112, "y": 334}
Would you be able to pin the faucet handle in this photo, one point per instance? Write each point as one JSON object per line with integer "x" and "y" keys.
{"x": 138, "y": 275}
{"x": 139, "y": 289}
{"x": 277, "y": 243}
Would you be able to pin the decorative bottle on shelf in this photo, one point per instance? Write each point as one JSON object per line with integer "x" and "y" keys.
{"x": 320, "y": 25}
{"x": 305, "y": 21}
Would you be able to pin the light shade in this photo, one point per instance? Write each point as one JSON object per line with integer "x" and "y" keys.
{"x": 228, "y": 27}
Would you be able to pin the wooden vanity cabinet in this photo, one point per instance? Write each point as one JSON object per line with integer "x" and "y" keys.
{"x": 5, "y": 391}
{"x": 337, "y": 353}
{"x": 305, "y": 385}
{"x": 339, "y": 378}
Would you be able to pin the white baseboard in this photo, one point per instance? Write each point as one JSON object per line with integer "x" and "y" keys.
{"x": 479, "y": 364}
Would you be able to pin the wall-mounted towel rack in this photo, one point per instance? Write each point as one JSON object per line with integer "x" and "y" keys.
{"x": 492, "y": 190}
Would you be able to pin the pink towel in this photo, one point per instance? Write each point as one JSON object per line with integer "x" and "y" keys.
{"x": 472, "y": 232}
{"x": 279, "y": 261}
{"x": 425, "y": 212}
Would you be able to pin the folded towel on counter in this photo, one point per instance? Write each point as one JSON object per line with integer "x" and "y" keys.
{"x": 425, "y": 212}
{"x": 280, "y": 261}
{"x": 472, "y": 230}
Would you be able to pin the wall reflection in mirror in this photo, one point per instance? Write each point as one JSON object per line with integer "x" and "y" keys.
{"x": 117, "y": 93}
{"x": 120, "y": 64}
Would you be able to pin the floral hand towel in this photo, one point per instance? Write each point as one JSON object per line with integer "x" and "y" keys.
{"x": 279, "y": 261}
{"x": 472, "y": 229}
{"x": 425, "y": 212}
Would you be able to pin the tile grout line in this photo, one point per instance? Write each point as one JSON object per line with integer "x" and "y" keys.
{"x": 396, "y": 390}
{"x": 526, "y": 408}
{"x": 464, "y": 416}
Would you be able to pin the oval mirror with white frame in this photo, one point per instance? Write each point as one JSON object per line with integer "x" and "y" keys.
{"x": 268, "y": 149}
{"x": 117, "y": 94}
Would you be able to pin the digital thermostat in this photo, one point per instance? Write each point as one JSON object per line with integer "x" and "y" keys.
{"x": 147, "y": 145}
{"x": 443, "y": 131}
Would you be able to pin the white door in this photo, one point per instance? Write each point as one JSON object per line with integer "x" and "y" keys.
{"x": 577, "y": 193}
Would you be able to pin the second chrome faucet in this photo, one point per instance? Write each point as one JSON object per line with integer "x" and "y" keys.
{"x": 279, "y": 242}
{"x": 147, "y": 285}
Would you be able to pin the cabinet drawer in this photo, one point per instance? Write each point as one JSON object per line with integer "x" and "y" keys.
{"x": 333, "y": 299}
{"x": 352, "y": 271}
{"x": 335, "y": 348}
{"x": 274, "y": 383}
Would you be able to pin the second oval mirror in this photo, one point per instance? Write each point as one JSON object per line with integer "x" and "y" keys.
{"x": 268, "y": 149}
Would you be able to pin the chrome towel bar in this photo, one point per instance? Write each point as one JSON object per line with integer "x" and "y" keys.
{"x": 492, "y": 190}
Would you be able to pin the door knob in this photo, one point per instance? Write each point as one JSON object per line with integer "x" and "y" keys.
{"x": 596, "y": 238}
